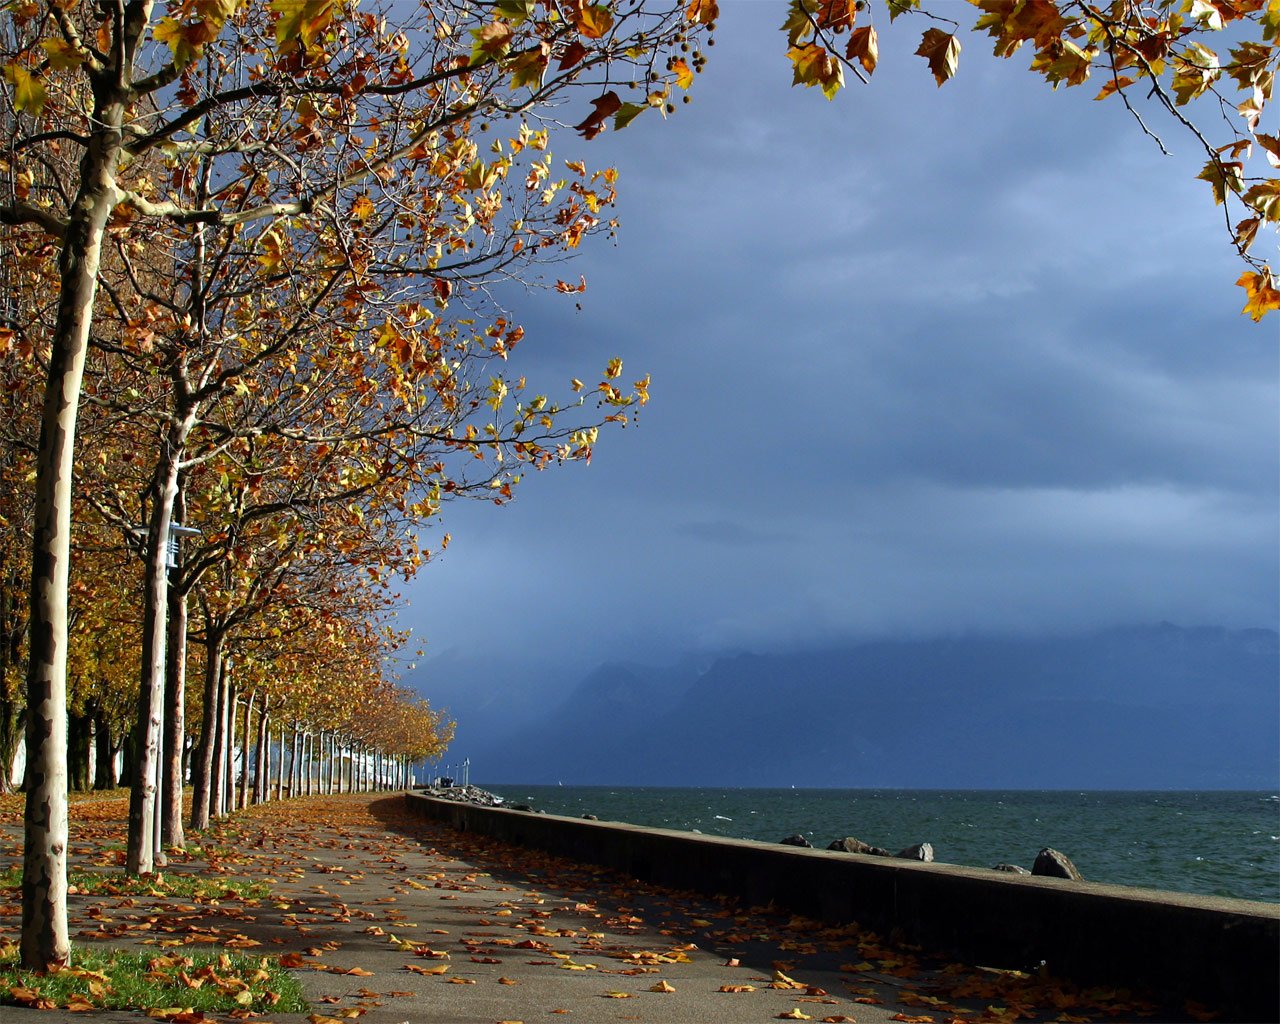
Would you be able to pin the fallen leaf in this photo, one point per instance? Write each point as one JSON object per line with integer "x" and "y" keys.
{"x": 663, "y": 986}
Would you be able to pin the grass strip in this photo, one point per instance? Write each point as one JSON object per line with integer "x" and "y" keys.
{"x": 178, "y": 986}
{"x": 179, "y": 885}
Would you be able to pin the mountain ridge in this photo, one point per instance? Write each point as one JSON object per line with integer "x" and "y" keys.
{"x": 1140, "y": 707}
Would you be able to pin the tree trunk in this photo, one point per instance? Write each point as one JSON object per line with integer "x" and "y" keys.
{"x": 262, "y": 771}
{"x": 140, "y": 857}
{"x": 104, "y": 753}
{"x": 295, "y": 769}
{"x": 78, "y": 740}
{"x": 246, "y": 746}
{"x": 202, "y": 769}
{"x": 45, "y": 942}
{"x": 175, "y": 726}
{"x": 13, "y": 625}
{"x": 280, "y": 765}
{"x": 228, "y": 794}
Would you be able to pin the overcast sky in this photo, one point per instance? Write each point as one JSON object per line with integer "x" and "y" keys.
{"x": 924, "y": 360}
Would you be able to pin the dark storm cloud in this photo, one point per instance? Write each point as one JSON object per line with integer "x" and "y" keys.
{"x": 923, "y": 360}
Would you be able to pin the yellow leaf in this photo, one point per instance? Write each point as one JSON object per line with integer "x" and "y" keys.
{"x": 812, "y": 65}
{"x": 62, "y": 55}
{"x": 618, "y": 995}
{"x": 362, "y": 209}
{"x": 663, "y": 986}
{"x": 594, "y": 21}
{"x": 29, "y": 93}
{"x": 1223, "y": 176}
{"x": 794, "y": 1015}
{"x": 683, "y": 73}
{"x": 1265, "y": 198}
{"x": 302, "y": 20}
{"x": 1263, "y": 295}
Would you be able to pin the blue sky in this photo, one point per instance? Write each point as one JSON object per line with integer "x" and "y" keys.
{"x": 924, "y": 360}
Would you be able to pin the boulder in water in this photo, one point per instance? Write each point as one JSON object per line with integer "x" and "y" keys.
{"x": 850, "y": 845}
{"x": 920, "y": 851}
{"x": 1052, "y": 864}
{"x": 796, "y": 840}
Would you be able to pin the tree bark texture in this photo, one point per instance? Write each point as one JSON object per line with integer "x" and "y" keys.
{"x": 45, "y": 941}
{"x": 175, "y": 710}
{"x": 206, "y": 745}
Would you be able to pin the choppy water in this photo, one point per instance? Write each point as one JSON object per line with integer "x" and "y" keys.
{"x": 1219, "y": 843}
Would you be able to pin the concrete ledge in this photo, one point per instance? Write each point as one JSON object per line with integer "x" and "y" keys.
{"x": 1223, "y": 953}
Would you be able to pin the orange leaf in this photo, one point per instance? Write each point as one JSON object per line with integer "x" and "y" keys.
{"x": 942, "y": 51}
{"x": 864, "y": 47}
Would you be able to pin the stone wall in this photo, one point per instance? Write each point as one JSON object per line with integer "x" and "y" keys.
{"x": 1221, "y": 952}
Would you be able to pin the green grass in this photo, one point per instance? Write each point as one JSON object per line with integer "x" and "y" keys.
{"x": 208, "y": 981}
{"x": 176, "y": 884}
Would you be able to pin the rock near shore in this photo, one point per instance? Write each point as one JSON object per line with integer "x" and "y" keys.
{"x": 1052, "y": 864}
{"x": 465, "y": 795}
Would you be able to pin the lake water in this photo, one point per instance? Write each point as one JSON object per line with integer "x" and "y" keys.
{"x": 1218, "y": 843}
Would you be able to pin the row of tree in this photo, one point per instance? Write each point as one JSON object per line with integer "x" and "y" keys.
{"x": 248, "y": 254}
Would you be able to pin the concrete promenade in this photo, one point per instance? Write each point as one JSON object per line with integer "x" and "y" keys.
{"x": 388, "y": 918}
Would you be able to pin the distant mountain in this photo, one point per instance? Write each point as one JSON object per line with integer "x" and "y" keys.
{"x": 1149, "y": 707}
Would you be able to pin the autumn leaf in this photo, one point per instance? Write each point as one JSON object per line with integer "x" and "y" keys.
{"x": 795, "y": 1014}
{"x": 864, "y": 47}
{"x": 702, "y": 12}
{"x": 438, "y": 969}
{"x": 683, "y": 73}
{"x": 1247, "y": 231}
{"x": 29, "y": 93}
{"x": 627, "y": 113}
{"x": 1223, "y": 176}
{"x": 603, "y": 107}
{"x": 1263, "y": 296}
{"x": 618, "y": 995}
{"x": 1114, "y": 85}
{"x": 836, "y": 15}
{"x": 491, "y": 42}
{"x": 736, "y": 988}
{"x": 1271, "y": 144}
{"x": 813, "y": 65}
{"x": 302, "y": 20}
{"x": 594, "y": 21}
{"x": 1265, "y": 198}
{"x": 662, "y": 986}
{"x": 573, "y": 53}
{"x": 62, "y": 54}
{"x": 942, "y": 51}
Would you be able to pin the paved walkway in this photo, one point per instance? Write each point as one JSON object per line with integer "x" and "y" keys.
{"x": 391, "y": 919}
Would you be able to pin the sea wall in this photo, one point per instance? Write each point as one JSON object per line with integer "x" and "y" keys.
{"x": 1220, "y": 952}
